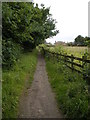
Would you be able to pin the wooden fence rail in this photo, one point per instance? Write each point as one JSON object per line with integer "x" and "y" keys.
{"x": 83, "y": 65}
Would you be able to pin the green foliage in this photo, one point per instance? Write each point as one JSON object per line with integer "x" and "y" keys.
{"x": 70, "y": 88}
{"x": 79, "y": 40}
{"x": 82, "y": 41}
{"x": 14, "y": 81}
{"x": 10, "y": 53}
{"x": 87, "y": 41}
{"x": 24, "y": 24}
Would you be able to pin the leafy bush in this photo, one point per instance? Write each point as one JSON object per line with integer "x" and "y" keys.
{"x": 10, "y": 53}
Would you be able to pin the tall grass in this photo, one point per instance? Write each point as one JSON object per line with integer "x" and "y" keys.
{"x": 14, "y": 82}
{"x": 76, "y": 51}
{"x": 70, "y": 88}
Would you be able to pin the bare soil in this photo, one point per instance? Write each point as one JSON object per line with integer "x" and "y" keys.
{"x": 39, "y": 100}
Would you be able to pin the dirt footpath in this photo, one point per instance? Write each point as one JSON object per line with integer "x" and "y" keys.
{"x": 39, "y": 102}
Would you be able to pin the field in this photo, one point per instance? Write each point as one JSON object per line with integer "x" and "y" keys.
{"x": 76, "y": 51}
{"x": 79, "y": 52}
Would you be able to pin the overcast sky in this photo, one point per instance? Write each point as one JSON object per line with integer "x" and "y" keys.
{"x": 71, "y": 17}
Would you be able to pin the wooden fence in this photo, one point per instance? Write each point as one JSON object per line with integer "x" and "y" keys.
{"x": 81, "y": 66}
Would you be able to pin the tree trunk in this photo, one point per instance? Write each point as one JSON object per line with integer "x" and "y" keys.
{"x": 89, "y": 51}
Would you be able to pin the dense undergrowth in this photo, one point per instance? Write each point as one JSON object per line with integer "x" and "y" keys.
{"x": 70, "y": 88}
{"x": 14, "y": 82}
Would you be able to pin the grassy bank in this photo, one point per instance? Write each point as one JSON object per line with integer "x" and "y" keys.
{"x": 70, "y": 88}
{"x": 14, "y": 82}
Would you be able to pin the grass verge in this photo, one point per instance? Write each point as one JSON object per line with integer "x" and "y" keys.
{"x": 70, "y": 88}
{"x": 14, "y": 83}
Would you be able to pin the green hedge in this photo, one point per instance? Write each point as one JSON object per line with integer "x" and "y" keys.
{"x": 10, "y": 53}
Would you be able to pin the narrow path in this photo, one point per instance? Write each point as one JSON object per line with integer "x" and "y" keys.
{"x": 40, "y": 100}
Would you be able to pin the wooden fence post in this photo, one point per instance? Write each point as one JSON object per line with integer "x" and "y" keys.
{"x": 72, "y": 59}
{"x": 43, "y": 51}
{"x": 60, "y": 57}
{"x": 57, "y": 57}
{"x": 53, "y": 57}
{"x": 83, "y": 64}
{"x": 65, "y": 59}
{"x": 48, "y": 55}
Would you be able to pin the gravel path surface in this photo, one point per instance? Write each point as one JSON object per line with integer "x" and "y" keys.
{"x": 39, "y": 102}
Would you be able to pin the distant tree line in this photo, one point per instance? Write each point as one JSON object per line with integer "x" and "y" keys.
{"x": 24, "y": 26}
{"x": 80, "y": 41}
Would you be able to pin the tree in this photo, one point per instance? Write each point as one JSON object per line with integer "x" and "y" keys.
{"x": 24, "y": 22}
{"x": 79, "y": 40}
{"x": 87, "y": 41}
{"x": 26, "y": 25}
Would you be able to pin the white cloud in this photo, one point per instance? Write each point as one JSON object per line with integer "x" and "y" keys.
{"x": 72, "y": 18}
